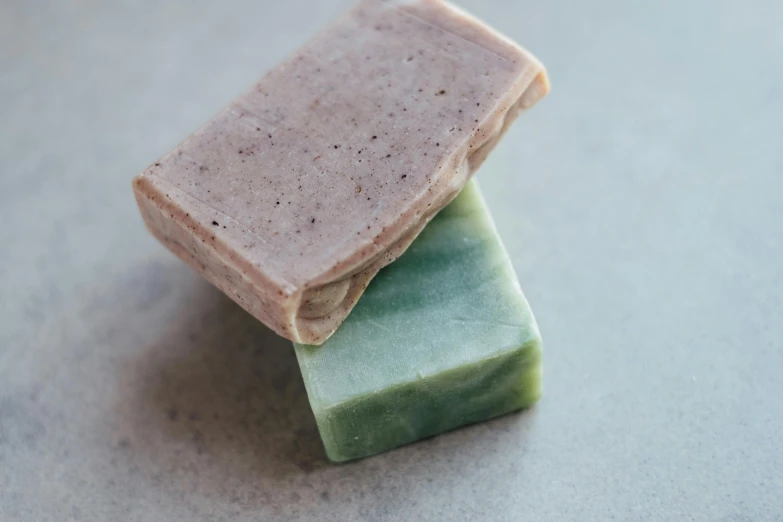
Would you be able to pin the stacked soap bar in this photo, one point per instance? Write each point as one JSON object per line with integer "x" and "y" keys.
{"x": 443, "y": 337}
{"x": 294, "y": 196}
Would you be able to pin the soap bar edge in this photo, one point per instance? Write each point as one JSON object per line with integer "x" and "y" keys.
{"x": 524, "y": 395}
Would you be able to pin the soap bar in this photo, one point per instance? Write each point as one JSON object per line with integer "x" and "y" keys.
{"x": 443, "y": 337}
{"x": 294, "y": 196}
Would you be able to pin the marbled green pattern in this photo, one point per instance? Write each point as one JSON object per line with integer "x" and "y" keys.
{"x": 443, "y": 337}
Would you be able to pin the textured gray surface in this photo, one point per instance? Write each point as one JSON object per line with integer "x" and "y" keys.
{"x": 641, "y": 203}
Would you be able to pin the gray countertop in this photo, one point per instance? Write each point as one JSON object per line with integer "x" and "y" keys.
{"x": 641, "y": 204}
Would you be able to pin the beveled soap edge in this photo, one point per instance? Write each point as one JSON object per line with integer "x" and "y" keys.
{"x": 278, "y": 303}
{"x": 154, "y": 196}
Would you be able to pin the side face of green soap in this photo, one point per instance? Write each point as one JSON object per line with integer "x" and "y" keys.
{"x": 442, "y": 337}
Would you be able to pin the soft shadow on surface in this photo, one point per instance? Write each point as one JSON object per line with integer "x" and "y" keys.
{"x": 210, "y": 407}
{"x": 217, "y": 385}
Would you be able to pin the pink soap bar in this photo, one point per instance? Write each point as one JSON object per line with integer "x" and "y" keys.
{"x": 294, "y": 196}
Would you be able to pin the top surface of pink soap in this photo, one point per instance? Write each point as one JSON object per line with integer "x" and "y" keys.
{"x": 324, "y": 153}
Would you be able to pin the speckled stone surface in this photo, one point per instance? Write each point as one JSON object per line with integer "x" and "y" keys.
{"x": 294, "y": 196}
{"x": 641, "y": 210}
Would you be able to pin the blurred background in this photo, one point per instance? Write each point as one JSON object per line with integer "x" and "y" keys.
{"x": 641, "y": 204}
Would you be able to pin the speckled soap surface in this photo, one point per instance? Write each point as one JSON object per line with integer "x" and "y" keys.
{"x": 294, "y": 196}
{"x": 640, "y": 205}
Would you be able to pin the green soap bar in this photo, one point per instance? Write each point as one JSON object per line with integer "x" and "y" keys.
{"x": 442, "y": 337}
